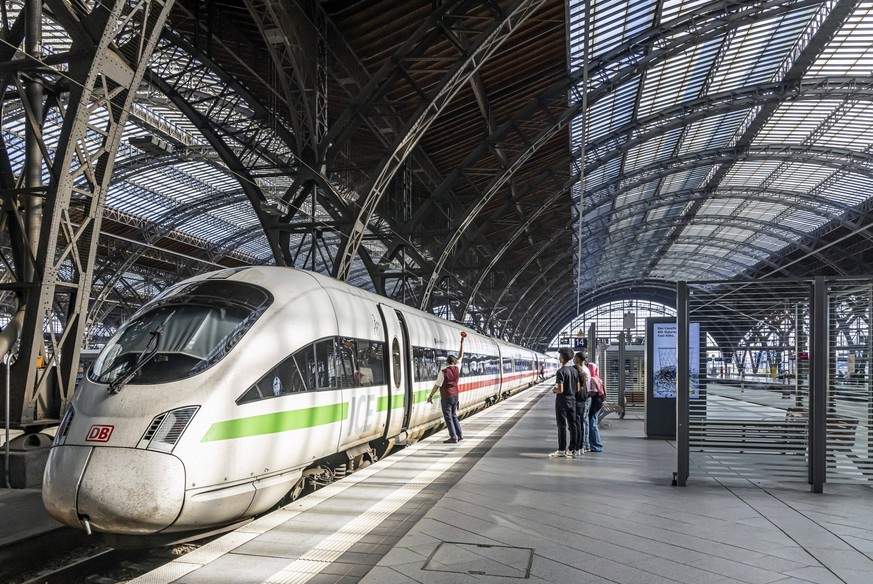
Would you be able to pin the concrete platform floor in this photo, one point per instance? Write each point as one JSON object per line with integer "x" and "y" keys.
{"x": 516, "y": 515}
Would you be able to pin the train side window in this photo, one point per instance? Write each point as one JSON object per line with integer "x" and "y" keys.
{"x": 283, "y": 379}
{"x": 370, "y": 361}
{"x": 507, "y": 365}
{"x": 347, "y": 367}
{"x": 324, "y": 366}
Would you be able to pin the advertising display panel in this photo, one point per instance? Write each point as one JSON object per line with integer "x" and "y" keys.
{"x": 661, "y": 374}
{"x": 664, "y": 359}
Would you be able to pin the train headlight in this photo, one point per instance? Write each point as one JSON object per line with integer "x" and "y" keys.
{"x": 64, "y": 428}
{"x": 166, "y": 429}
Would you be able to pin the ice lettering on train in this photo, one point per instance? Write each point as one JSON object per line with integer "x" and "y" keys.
{"x": 361, "y": 412}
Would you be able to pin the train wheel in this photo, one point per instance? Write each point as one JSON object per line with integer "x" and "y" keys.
{"x": 294, "y": 493}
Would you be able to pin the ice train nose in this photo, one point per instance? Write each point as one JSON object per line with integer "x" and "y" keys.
{"x": 119, "y": 490}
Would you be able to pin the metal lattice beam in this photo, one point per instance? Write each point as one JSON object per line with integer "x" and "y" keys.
{"x": 118, "y": 39}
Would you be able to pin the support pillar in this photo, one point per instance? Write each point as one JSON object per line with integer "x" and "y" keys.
{"x": 683, "y": 389}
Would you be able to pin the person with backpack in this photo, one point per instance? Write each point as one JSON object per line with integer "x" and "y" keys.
{"x": 566, "y": 384}
{"x": 583, "y": 402}
{"x": 598, "y": 396}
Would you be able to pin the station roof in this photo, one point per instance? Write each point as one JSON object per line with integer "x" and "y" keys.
{"x": 507, "y": 164}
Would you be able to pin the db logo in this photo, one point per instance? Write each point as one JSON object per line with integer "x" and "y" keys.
{"x": 98, "y": 433}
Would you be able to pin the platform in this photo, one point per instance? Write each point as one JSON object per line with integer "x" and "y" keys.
{"x": 22, "y": 515}
{"x": 495, "y": 508}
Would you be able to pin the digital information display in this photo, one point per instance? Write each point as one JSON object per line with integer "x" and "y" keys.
{"x": 664, "y": 359}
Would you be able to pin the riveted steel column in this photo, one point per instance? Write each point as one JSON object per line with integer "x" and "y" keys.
{"x": 818, "y": 361}
{"x": 112, "y": 45}
{"x": 33, "y": 154}
{"x": 682, "y": 385}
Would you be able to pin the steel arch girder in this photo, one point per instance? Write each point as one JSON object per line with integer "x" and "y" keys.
{"x": 675, "y": 197}
{"x": 635, "y": 56}
{"x": 536, "y": 318}
{"x": 533, "y": 257}
{"x": 615, "y": 144}
{"x": 483, "y": 47}
{"x": 848, "y": 86}
{"x": 686, "y": 195}
{"x": 551, "y": 265}
{"x": 719, "y": 221}
{"x": 651, "y": 290}
{"x": 292, "y": 27}
{"x": 820, "y": 88}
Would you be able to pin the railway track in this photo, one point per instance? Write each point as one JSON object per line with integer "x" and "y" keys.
{"x": 65, "y": 555}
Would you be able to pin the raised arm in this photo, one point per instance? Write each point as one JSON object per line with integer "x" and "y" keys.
{"x": 461, "y": 349}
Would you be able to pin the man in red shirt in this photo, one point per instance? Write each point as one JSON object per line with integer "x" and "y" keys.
{"x": 447, "y": 384}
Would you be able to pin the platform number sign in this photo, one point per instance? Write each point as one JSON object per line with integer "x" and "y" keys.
{"x": 99, "y": 433}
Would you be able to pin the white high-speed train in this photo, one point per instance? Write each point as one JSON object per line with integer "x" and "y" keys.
{"x": 230, "y": 391}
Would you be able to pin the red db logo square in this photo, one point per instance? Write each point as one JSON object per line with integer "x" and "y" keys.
{"x": 99, "y": 433}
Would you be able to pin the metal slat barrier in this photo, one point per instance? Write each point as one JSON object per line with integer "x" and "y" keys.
{"x": 849, "y": 403}
{"x": 752, "y": 418}
{"x": 749, "y": 420}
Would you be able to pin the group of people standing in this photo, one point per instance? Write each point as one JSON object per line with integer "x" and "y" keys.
{"x": 578, "y": 392}
{"x": 578, "y": 399}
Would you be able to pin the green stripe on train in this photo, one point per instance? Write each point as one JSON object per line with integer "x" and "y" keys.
{"x": 383, "y": 403}
{"x": 278, "y": 422}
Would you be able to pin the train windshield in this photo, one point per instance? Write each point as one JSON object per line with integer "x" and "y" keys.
{"x": 182, "y": 334}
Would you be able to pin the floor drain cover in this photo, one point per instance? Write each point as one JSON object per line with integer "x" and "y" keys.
{"x": 480, "y": 560}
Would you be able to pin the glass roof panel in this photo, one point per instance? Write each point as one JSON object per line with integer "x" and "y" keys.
{"x": 755, "y": 51}
{"x": 851, "y": 50}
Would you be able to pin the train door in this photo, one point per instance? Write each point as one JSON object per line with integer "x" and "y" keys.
{"x": 501, "y": 381}
{"x": 407, "y": 366}
{"x": 399, "y": 398}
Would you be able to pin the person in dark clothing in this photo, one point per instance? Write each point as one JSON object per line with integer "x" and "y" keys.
{"x": 566, "y": 385}
{"x": 583, "y": 402}
{"x": 447, "y": 385}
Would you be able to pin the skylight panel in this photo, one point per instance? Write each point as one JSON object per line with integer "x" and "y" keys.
{"x": 656, "y": 214}
{"x": 756, "y": 51}
{"x": 675, "y": 8}
{"x": 851, "y": 130}
{"x": 850, "y": 189}
{"x": 699, "y": 230}
{"x": 794, "y": 122}
{"x": 749, "y": 173}
{"x": 800, "y": 176}
{"x": 258, "y": 248}
{"x": 611, "y": 24}
{"x": 802, "y": 220}
{"x": 679, "y": 79}
{"x": 851, "y": 50}
{"x": 724, "y": 207}
{"x": 761, "y": 211}
{"x": 630, "y": 197}
{"x": 712, "y": 132}
{"x": 138, "y": 202}
{"x": 610, "y": 113}
{"x": 654, "y": 150}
